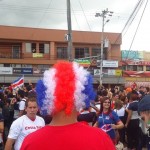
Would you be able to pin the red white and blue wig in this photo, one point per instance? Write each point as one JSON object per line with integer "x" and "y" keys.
{"x": 64, "y": 87}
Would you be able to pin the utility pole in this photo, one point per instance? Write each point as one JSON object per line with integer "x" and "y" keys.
{"x": 103, "y": 14}
{"x": 69, "y": 35}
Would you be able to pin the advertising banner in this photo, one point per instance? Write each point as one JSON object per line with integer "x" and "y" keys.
{"x": 5, "y": 70}
{"x": 110, "y": 63}
{"x": 22, "y": 70}
{"x": 27, "y": 70}
{"x": 17, "y": 70}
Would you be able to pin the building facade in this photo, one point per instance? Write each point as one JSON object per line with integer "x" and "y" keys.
{"x": 136, "y": 67}
{"x": 30, "y": 51}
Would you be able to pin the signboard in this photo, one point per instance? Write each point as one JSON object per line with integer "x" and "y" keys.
{"x": 5, "y": 70}
{"x": 111, "y": 72}
{"x": 110, "y": 63}
{"x": 37, "y": 55}
{"x": 118, "y": 72}
{"x": 27, "y": 70}
{"x": 96, "y": 72}
{"x": 17, "y": 70}
{"x": 83, "y": 62}
{"x": 130, "y": 54}
{"x": 22, "y": 70}
{"x": 136, "y": 62}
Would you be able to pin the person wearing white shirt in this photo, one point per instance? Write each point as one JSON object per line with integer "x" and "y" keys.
{"x": 24, "y": 125}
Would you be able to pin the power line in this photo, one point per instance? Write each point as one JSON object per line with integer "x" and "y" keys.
{"x": 136, "y": 7}
{"x": 137, "y": 28}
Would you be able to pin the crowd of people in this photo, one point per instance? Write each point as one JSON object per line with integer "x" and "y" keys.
{"x": 117, "y": 111}
{"x": 76, "y": 115}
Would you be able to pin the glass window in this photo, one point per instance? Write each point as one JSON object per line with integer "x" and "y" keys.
{"x": 43, "y": 48}
{"x": 132, "y": 68}
{"x": 28, "y": 47}
{"x": 7, "y": 65}
{"x": 33, "y": 47}
{"x": 46, "y": 48}
{"x": 62, "y": 52}
{"x": 16, "y": 51}
{"x": 26, "y": 66}
{"x": 96, "y": 51}
{"x": 81, "y": 52}
{"x": 123, "y": 68}
{"x": 16, "y": 65}
{"x": 139, "y": 68}
{"x": 43, "y": 66}
{"x": 147, "y": 68}
{"x": 1, "y": 65}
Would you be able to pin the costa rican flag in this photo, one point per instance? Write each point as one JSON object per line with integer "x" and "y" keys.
{"x": 18, "y": 83}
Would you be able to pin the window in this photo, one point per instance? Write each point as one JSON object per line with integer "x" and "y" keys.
{"x": 26, "y": 66}
{"x": 132, "y": 68}
{"x": 123, "y": 68}
{"x": 147, "y": 68}
{"x": 16, "y": 51}
{"x": 33, "y": 47}
{"x": 30, "y": 47}
{"x": 7, "y": 65}
{"x": 62, "y": 52}
{"x": 46, "y": 48}
{"x": 16, "y": 65}
{"x": 43, "y": 66}
{"x": 81, "y": 52}
{"x": 43, "y": 48}
{"x": 96, "y": 51}
{"x": 139, "y": 68}
{"x": 1, "y": 65}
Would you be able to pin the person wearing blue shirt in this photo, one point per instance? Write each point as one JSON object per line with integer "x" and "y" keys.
{"x": 108, "y": 119}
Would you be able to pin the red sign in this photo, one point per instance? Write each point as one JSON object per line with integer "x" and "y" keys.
{"x": 136, "y": 74}
{"x": 140, "y": 62}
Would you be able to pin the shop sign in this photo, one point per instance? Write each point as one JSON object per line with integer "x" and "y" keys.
{"x": 110, "y": 63}
{"x": 5, "y": 70}
{"x": 37, "y": 55}
{"x": 17, "y": 70}
{"x": 27, "y": 70}
{"x": 83, "y": 62}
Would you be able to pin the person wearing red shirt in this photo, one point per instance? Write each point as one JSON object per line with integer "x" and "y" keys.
{"x": 64, "y": 90}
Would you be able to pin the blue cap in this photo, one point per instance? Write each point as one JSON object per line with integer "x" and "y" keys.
{"x": 144, "y": 104}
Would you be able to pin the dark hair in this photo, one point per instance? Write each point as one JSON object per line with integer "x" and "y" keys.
{"x": 103, "y": 100}
{"x": 21, "y": 93}
{"x": 32, "y": 94}
{"x": 134, "y": 96}
{"x": 29, "y": 88}
{"x": 147, "y": 88}
{"x": 104, "y": 93}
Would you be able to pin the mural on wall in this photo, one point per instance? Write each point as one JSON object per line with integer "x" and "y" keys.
{"x": 132, "y": 55}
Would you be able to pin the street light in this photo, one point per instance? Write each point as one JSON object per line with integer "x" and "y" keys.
{"x": 103, "y": 14}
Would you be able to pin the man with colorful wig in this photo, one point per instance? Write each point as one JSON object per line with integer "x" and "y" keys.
{"x": 62, "y": 92}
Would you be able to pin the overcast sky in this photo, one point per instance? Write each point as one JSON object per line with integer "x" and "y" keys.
{"x": 51, "y": 14}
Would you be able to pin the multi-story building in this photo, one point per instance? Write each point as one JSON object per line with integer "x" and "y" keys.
{"x": 30, "y": 51}
{"x": 136, "y": 67}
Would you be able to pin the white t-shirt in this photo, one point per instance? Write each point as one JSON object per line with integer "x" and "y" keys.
{"x": 120, "y": 112}
{"x": 22, "y": 104}
{"x": 23, "y": 126}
